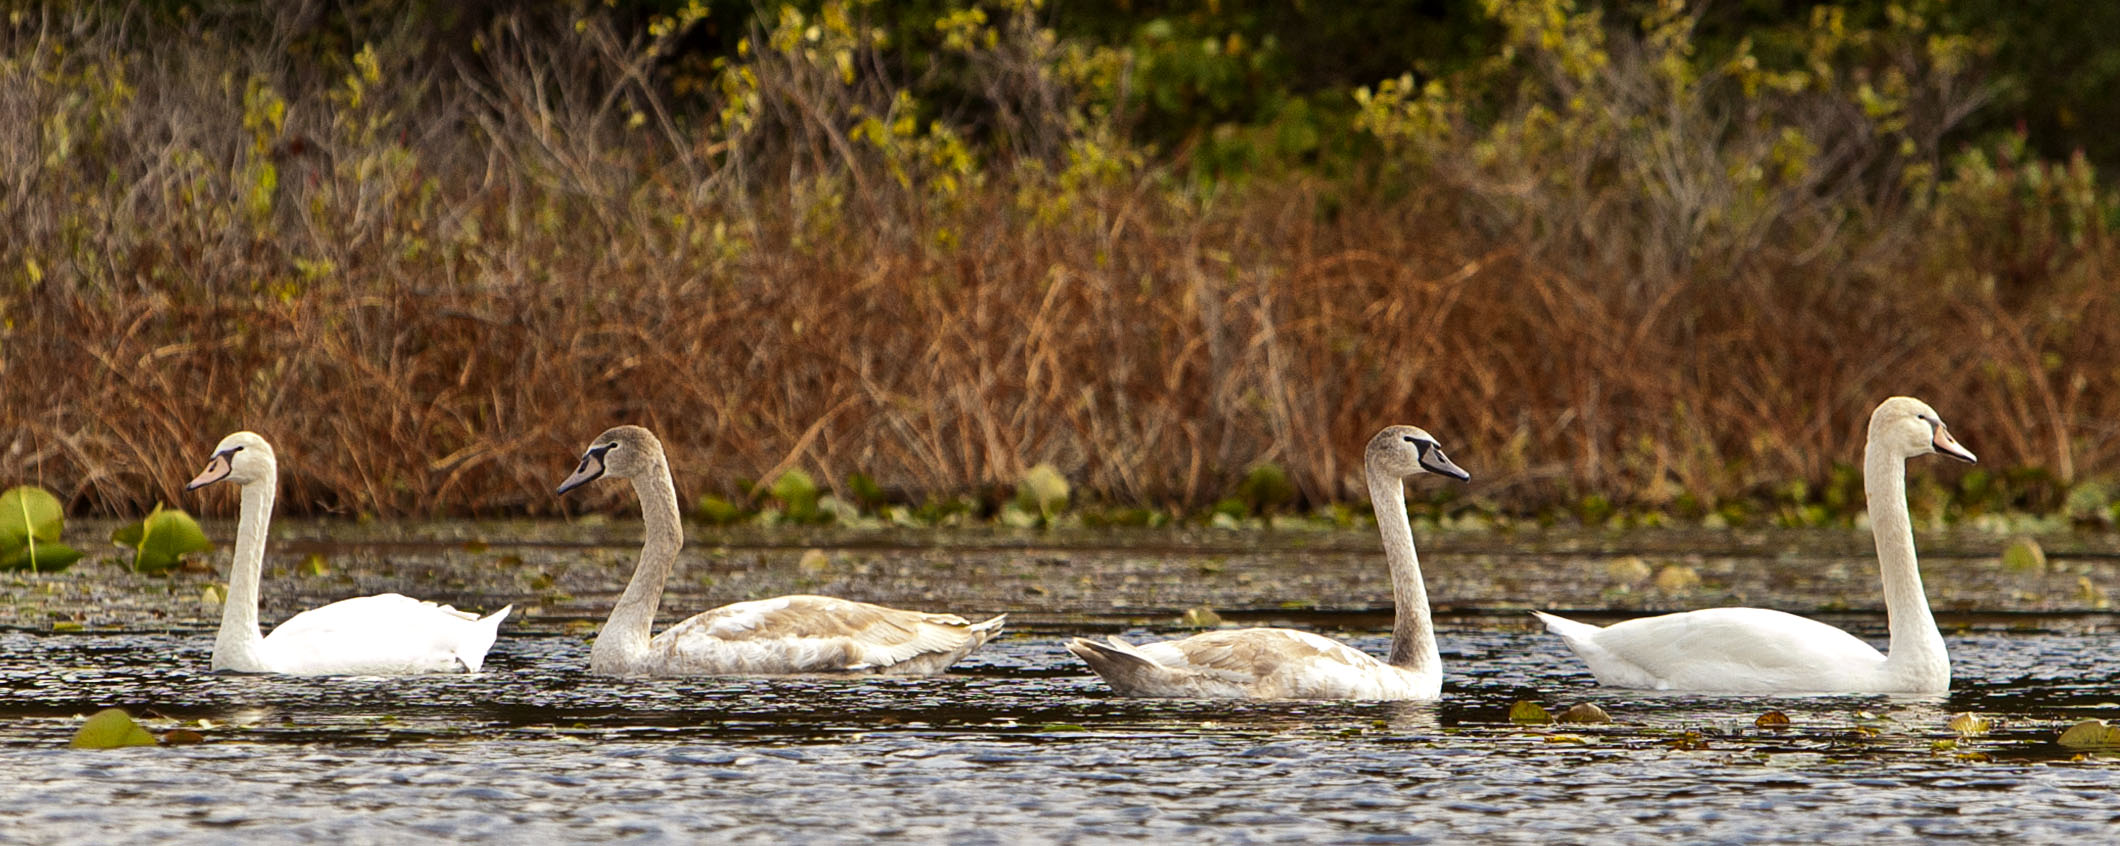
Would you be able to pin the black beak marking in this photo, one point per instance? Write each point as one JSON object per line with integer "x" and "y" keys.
{"x": 589, "y": 470}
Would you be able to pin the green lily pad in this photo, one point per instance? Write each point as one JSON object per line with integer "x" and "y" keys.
{"x": 2091, "y": 734}
{"x": 28, "y": 511}
{"x": 111, "y": 728}
{"x": 31, "y": 520}
{"x": 161, "y": 541}
{"x": 38, "y": 556}
{"x": 1529, "y": 713}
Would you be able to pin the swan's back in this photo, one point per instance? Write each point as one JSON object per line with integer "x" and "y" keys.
{"x": 1251, "y": 664}
{"x": 1722, "y": 649}
{"x": 814, "y": 634}
{"x": 386, "y": 634}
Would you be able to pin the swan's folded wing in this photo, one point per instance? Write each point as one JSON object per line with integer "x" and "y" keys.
{"x": 1718, "y": 648}
{"x": 1296, "y": 660}
{"x": 1256, "y": 653}
{"x": 370, "y": 612}
{"x": 819, "y": 634}
{"x": 383, "y": 634}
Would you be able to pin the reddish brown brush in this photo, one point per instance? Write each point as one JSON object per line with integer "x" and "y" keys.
{"x": 430, "y": 315}
{"x": 1156, "y": 372}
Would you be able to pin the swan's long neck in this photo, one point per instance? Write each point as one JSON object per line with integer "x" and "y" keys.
{"x": 1917, "y": 648}
{"x": 1412, "y": 635}
{"x": 624, "y": 639}
{"x": 239, "y": 646}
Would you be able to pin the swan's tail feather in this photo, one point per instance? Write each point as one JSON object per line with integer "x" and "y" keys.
{"x": 1119, "y": 663}
{"x": 987, "y": 629}
{"x": 472, "y": 651}
{"x": 1566, "y": 628}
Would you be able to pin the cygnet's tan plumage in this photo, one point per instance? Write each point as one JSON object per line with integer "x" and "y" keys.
{"x": 1289, "y": 664}
{"x": 786, "y": 635}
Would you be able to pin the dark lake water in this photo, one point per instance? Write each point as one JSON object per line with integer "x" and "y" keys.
{"x": 1022, "y": 746}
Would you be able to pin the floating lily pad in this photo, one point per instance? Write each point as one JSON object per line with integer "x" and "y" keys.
{"x": 160, "y": 542}
{"x": 1677, "y": 578}
{"x": 2091, "y": 734}
{"x": 31, "y": 521}
{"x": 39, "y": 556}
{"x": 111, "y": 728}
{"x": 1772, "y": 720}
{"x": 182, "y": 737}
{"x": 1967, "y": 725}
{"x": 1529, "y": 713}
{"x": 28, "y": 511}
{"x": 2024, "y": 555}
{"x": 1200, "y": 617}
{"x": 1586, "y": 713}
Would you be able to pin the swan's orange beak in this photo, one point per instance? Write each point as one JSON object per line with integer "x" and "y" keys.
{"x": 216, "y": 470}
{"x": 1947, "y": 445}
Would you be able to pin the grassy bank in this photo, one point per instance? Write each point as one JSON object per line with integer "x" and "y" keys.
{"x": 1611, "y": 272}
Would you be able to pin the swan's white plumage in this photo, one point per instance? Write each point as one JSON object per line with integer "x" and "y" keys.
{"x": 1756, "y": 650}
{"x": 1290, "y": 664}
{"x": 787, "y": 635}
{"x": 387, "y": 634}
{"x": 1722, "y": 649}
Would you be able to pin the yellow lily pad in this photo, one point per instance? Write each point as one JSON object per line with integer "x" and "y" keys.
{"x": 111, "y": 728}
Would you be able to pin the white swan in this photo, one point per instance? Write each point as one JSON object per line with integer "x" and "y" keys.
{"x": 1289, "y": 664}
{"x": 1756, "y": 650}
{"x": 387, "y": 634}
{"x": 785, "y": 635}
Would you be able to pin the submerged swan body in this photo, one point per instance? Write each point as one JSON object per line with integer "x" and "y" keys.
{"x": 786, "y": 635}
{"x": 1289, "y": 664}
{"x": 387, "y": 634}
{"x": 1757, "y": 650}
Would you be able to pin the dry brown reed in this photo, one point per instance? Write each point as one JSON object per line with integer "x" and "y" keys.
{"x": 452, "y": 282}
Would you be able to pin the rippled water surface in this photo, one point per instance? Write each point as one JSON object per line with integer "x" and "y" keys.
{"x": 1021, "y": 745}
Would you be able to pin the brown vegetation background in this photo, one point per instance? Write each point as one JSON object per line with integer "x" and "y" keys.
{"x": 452, "y": 279}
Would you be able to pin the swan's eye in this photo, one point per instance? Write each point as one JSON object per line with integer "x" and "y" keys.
{"x": 1409, "y": 439}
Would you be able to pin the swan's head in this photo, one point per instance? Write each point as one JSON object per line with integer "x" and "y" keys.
{"x": 1405, "y": 450}
{"x": 242, "y": 458}
{"x": 1909, "y": 427}
{"x": 621, "y": 452}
